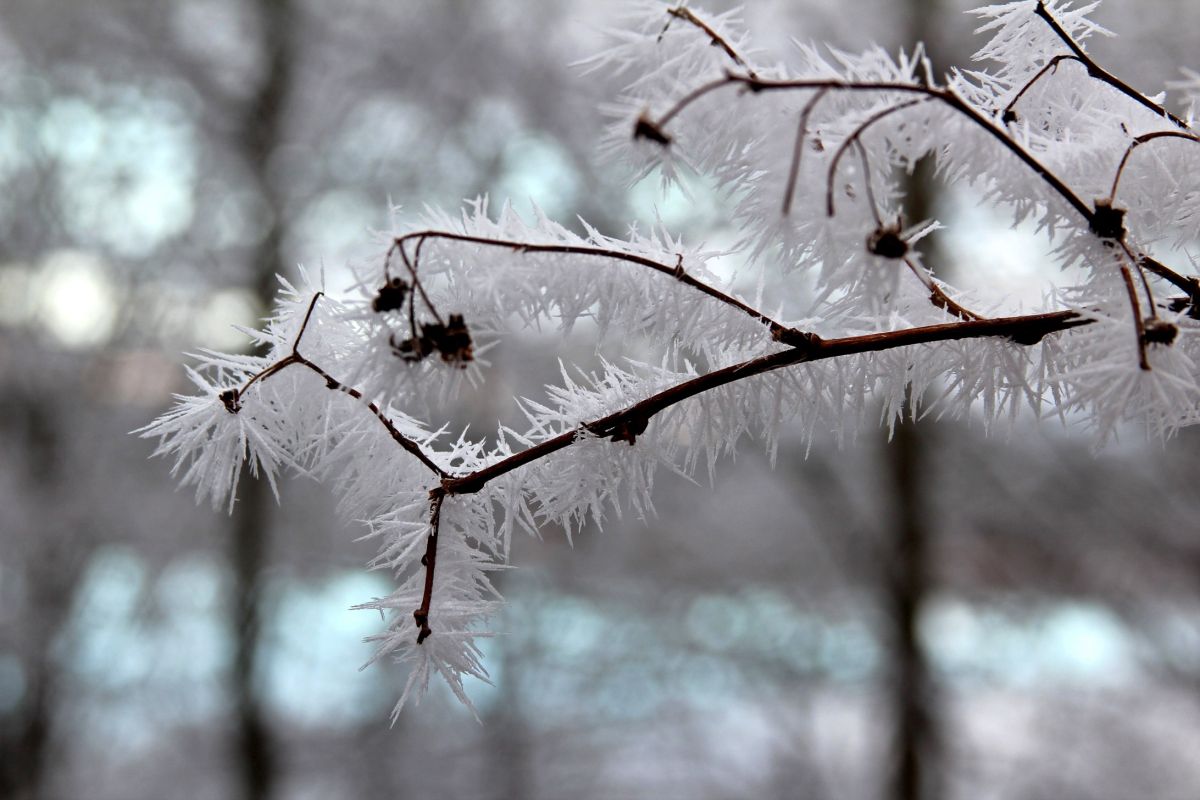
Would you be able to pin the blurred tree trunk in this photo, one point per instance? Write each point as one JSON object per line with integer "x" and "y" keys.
{"x": 509, "y": 769}
{"x": 54, "y": 557}
{"x": 907, "y": 585}
{"x": 259, "y": 134}
{"x": 914, "y": 773}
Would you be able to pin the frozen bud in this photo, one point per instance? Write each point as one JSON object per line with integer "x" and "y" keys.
{"x": 231, "y": 400}
{"x": 1156, "y": 331}
{"x": 455, "y": 342}
{"x": 1108, "y": 222}
{"x": 412, "y": 349}
{"x": 886, "y": 242}
{"x": 391, "y": 296}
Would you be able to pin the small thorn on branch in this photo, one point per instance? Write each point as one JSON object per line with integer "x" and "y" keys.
{"x": 646, "y": 128}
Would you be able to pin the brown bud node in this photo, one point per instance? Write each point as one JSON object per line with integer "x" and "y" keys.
{"x": 645, "y": 128}
{"x": 1107, "y": 222}
{"x": 1156, "y": 331}
{"x": 886, "y": 242}
{"x": 231, "y": 400}
{"x": 391, "y": 296}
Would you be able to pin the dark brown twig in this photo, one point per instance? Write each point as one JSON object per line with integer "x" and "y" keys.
{"x": 853, "y": 139}
{"x": 429, "y": 562}
{"x": 1026, "y": 330}
{"x": 232, "y": 397}
{"x": 292, "y": 358}
{"x": 1139, "y": 325}
{"x": 408, "y": 444}
{"x": 684, "y": 13}
{"x": 1138, "y": 142}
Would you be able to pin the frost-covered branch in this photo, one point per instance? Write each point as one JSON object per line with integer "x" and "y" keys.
{"x": 780, "y": 332}
{"x": 1096, "y": 71}
{"x": 1100, "y": 218}
{"x": 848, "y": 326}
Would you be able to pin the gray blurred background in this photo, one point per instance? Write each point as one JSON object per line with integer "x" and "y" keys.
{"x": 949, "y": 616}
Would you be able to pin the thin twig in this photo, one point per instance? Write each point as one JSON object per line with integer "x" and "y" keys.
{"x": 1138, "y": 142}
{"x": 778, "y": 330}
{"x": 1098, "y": 72}
{"x": 412, "y": 270}
{"x": 684, "y": 13}
{"x": 293, "y": 358}
{"x": 938, "y": 296}
{"x": 691, "y": 97}
{"x": 1008, "y": 115}
{"x": 1138, "y": 325}
{"x": 1189, "y": 285}
{"x": 855, "y": 138}
{"x": 408, "y": 444}
{"x": 1145, "y": 281}
{"x": 332, "y": 383}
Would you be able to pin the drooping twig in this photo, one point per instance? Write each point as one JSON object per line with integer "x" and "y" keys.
{"x": 856, "y": 138}
{"x": 1139, "y": 325}
{"x": 408, "y": 444}
{"x": 1009, "y": 113}
{"x": 429, "y": 562}
{"x": 798, "y": 152}
{"x": 411, "y": 266}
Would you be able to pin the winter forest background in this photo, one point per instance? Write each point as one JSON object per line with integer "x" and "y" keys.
{"x": 1007, "y": 617}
